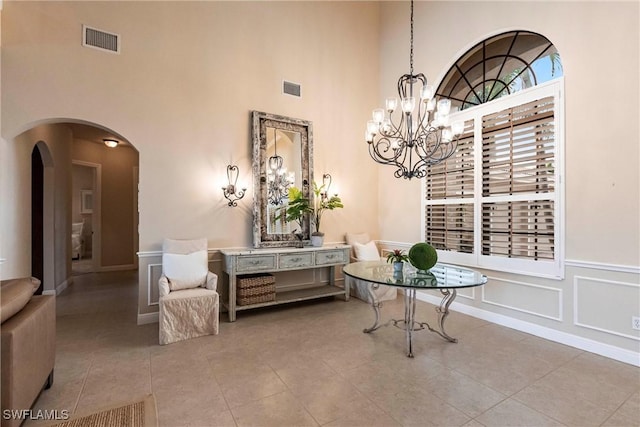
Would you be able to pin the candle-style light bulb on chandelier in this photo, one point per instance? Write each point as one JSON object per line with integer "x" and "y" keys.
{"x": 421, "y": 138}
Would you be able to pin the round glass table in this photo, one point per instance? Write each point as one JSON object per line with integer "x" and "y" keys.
{"x": 445, "y": 278}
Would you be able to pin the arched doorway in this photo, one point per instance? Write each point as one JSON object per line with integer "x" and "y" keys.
{"x": 37, "y": 217}
{"x": 49, "y": 197}
{"x": 42, "y": 248}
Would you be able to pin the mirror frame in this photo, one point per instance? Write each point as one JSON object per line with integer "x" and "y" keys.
{"x": 261, "y": 120}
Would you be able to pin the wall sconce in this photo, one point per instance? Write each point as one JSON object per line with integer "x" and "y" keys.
{"x": 326, "y": 183}
{"x": 111, "y": 143}
{"x": 230, "y": 192}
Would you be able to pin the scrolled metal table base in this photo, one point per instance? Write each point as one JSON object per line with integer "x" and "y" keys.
{"x": 409, "y": 324}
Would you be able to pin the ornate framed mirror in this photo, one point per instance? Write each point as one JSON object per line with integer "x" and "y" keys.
{"x": 282, "y": 158}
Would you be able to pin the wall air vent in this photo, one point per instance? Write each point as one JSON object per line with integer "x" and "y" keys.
{"x": 98, "y": 39}
{"x": 291, "y": 88}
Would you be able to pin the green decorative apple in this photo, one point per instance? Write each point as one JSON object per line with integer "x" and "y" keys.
{"x": 423, "y": 256}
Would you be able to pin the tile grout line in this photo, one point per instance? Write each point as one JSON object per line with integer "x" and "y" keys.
{"x": 84, "y": 383}
{"x": 619, "y": 407}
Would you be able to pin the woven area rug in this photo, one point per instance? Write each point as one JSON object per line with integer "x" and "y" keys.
{"x": 137, "y": 414}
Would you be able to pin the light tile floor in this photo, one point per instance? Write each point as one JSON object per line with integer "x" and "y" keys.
{"x": 310, "y": 365}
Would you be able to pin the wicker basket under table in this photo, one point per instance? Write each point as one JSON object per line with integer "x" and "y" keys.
{"x": 255, "y": 288}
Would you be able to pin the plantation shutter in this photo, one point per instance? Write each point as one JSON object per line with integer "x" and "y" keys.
{"x": 453, "y": 178}
{"x": 518, "y": 181}
{"x": 450, "y": 225}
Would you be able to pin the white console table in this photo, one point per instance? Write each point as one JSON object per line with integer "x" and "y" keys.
{"x": 248, "y": 261}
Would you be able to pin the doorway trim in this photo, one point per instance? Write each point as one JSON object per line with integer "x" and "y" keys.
{"x": 96, "y": 220}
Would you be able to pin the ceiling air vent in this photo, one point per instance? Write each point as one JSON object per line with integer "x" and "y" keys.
{"x": 98, "y": 39}
{"x": 291, "y": 88}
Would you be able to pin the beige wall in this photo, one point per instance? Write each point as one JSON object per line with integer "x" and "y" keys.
{"x": 599, "y": 48}
{"x": 182, "y": 91}
{"x": 117, "y": 199}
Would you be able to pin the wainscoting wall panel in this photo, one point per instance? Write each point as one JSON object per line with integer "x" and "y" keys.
{"x": 525, "y": 297}
{"x": 153, "y": 276}
{"x": 617, "y": 303}
{"x": 469, "y": 293}
{"x": 591, "y": 308}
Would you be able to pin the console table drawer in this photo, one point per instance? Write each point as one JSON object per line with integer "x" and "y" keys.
{"x": 296, "y": 260}
{"x": 330, "y": 257}
{"x": 255, "y": 263}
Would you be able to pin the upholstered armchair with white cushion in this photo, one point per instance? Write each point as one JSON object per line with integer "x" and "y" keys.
{"x": 365, "y": 249}
{"x": 189, "y": 303}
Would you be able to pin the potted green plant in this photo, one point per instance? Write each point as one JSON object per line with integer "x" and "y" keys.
{"x": 321, "y": 203}
{"x": 298, "y": 207}
{"x": 398, "y": 258}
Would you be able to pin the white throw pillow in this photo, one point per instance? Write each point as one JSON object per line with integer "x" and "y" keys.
{"x": 366, "y": 252}
{"x": 185, "y": 271}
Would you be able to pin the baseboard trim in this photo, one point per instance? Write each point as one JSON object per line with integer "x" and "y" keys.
{"x": 123, "y": 267}
{"x": 59, "y": 288}
{"x": 147, "y": 318}
{"x": 606, "y": 350}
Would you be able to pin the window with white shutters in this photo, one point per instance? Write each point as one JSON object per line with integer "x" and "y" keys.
{"x": 497, "y": 202}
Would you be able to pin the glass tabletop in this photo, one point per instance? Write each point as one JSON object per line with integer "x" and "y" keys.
{"x": 445, "y": 276}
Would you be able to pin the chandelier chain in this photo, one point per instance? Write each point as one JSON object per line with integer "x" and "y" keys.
{"x": 411, "y": 43}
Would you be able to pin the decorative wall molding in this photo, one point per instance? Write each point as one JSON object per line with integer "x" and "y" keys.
{"x": 400, "y": 245}
{"x": 210, "y": 251}
{"x": 558, "y": 318}
{"x": 603, "y": 266}
{"x": 471, "y": 297}
{"x": 576, "y": 305}
{"x": 149, "y": 254}
{"x": 149, "y": 275}
{"x": 606, "y": 350}
{"x": 568, "y": 262}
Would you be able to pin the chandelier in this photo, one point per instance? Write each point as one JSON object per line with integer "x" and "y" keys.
{"x": 278, "y": 180}
{"x": 423, "y": 135}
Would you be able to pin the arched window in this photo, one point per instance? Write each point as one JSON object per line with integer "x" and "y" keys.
{"x": 499, "y": 66}
{"x": 496, "y": 203}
